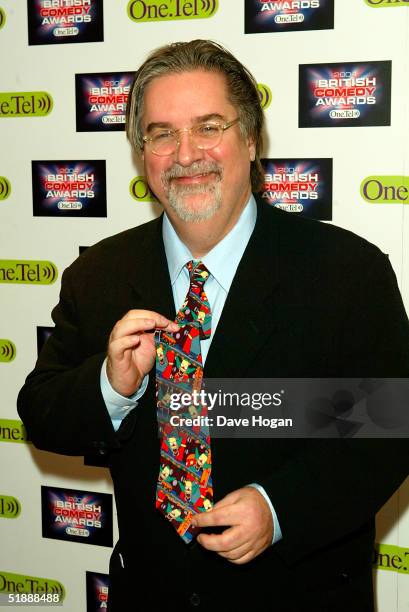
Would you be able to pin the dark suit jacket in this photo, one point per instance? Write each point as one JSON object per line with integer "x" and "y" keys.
{"x": 308, "y": 300}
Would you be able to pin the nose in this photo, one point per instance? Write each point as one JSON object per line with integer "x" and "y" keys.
{"x": 186, "y": 151}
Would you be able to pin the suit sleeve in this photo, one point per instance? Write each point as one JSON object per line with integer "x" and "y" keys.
{"x": 335, "y": 487}
{"x": 61, "y": 403}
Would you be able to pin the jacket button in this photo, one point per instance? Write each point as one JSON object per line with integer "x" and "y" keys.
{"x": 194, "y": 599}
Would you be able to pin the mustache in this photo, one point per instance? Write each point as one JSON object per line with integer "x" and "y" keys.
{"x": 199, "y": 167}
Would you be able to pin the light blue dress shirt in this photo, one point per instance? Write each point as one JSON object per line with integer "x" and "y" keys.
{"x": 222, "y": 262}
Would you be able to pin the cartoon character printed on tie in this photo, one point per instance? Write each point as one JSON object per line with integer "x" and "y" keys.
{"x": 167, "y": 371}
{"x": 162, "y": 357}
{"x": 176, "y": 446}
{"x": 200, "y": 461}
{"x": 205, "y": 502}
{"x": 184, "y": 370}
{"x": 173, "y": 513}
{"x": 190, "y": 341}
{"x": 165, "y": 476}
{"x": 190, "y": 490}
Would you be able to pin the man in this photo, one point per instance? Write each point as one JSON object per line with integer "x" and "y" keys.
{"x": 292, "y": 523}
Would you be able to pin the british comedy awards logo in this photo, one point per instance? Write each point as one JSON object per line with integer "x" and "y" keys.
{"x": 69, "y": 188}
{"x": 345, "y": 94}
{"x": 288, "y": 15}
{"x": 97, "y": 591}
{"x": 77, "y": 516}
{"x": 64, "y": 21}
{"x": 302, "y": 186}
{"x": 101, "y": 100}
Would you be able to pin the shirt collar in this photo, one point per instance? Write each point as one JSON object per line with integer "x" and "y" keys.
{"x": 223, "y": 259}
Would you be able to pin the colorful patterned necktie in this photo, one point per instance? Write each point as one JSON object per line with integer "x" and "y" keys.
{"x": 184, "y": 484}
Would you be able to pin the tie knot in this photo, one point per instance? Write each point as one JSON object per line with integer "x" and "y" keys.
{"x": 198, "y": 272}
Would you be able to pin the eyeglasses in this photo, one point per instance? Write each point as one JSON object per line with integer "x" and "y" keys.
{"x": 204, "y": 136}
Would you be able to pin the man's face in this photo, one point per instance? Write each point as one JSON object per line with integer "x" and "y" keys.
{"x": 192, "y": 184}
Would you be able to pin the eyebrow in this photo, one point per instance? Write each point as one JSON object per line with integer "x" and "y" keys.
{"x": 200, "y": 119}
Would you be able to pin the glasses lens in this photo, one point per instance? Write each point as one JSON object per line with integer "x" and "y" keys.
{"x": 163, "y": 143}
{"x": 207, "y": 135}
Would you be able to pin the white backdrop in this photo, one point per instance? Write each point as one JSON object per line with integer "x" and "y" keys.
{"x": 361, "y": 33}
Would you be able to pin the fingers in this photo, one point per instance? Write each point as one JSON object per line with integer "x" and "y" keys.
{"x": 249, "y": 526}
{"x": 230, "y": 498}
{"x": 131, "y": 349}
{"x": 227, "y": 542}
{"x": 233, "y": 546}
{"x": 130, "y": 327}
{"x": 220, "y": 516}
{"x": 237, "y": 554}
{"x": 159, "y": 321}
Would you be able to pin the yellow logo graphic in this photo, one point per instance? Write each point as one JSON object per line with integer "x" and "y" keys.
{"x": 2, "y": 18}
{"x": 169, "y": 10}
{"x": 5, "y": 188}
{"x": 25, "y": 103}
{"x": 12, "y": 431}
{"x": 27, "y": 272}
{"x": 19, "y": 583}
{"x": 265, "y": 95}
{"x": 10, "y": 507}
{"x": 386, "y": 3}
{"x": 391, "y": 558}
{"x": 385, "y": 189}
{"x": 7, "y": 350}
{"x": 140, "y": 191}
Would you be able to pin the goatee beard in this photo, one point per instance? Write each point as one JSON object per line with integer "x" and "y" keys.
{"x": 178, "y": 195}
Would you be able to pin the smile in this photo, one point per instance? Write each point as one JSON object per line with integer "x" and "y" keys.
{"x": 194, "y": 179}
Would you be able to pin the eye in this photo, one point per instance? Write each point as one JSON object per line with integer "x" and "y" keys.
{"x": 161, "y": 136}
{"x": 207, "y": 129}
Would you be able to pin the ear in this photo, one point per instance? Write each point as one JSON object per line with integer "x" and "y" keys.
{"x": 252, "y": 149}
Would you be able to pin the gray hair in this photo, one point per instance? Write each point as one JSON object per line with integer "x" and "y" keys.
{"x": 201, "y": 55}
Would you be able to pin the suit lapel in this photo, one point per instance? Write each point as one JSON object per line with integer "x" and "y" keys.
{"x": 151, "y": 286}
{"x": 248, "y": 316}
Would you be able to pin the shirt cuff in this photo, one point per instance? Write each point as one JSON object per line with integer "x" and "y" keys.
{"x": 277, "y": 535}
{"x": 117, "y": 405}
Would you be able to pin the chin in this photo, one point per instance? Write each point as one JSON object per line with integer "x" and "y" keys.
{"x": 198, "y": 206}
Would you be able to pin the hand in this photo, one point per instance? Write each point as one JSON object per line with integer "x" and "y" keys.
{"x": 131, "y": 349}
{"x": 249, "y": 523}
